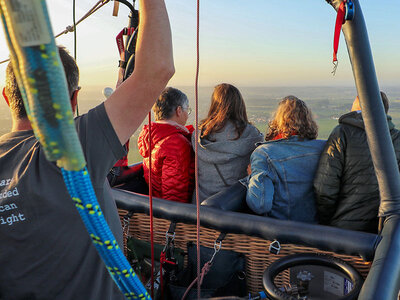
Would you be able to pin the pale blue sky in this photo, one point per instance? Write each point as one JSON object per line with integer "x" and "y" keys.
{"x": 247, "y": 43}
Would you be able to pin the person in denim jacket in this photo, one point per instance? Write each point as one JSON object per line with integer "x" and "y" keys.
{"x": 282, "y": 168}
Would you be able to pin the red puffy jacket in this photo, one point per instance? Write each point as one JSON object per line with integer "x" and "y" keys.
{"x": 172, "y": 160}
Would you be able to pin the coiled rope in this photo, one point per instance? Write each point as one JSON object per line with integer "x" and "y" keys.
{"x": 43, "y": 87}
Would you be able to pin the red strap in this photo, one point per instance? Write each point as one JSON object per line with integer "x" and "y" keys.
{"x": 196, "y": 132}
{"x": 340, "y": 20}
{"x": 151, "y": 213}
{"x": 120, "y": 40}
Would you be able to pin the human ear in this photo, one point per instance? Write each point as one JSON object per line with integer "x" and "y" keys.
{"x": 74, "y": 100}
{"x": 179, "y": 111}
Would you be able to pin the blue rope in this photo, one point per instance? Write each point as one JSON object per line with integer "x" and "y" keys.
{"x": 101, "y": 235}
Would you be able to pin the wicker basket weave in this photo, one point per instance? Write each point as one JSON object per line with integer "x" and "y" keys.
{"x": 255, "y": 249}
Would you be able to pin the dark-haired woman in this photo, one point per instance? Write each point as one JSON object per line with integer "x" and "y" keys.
{"x": 283, "y": 168}
{"x": 226, "y": 141}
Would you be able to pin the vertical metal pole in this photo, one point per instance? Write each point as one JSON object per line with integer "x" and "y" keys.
{"x": 383, "y": 281}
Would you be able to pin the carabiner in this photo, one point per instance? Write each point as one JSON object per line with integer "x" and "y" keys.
{"x": 349, "y": 16}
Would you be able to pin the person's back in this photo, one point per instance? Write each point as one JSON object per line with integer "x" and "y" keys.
{"x": 283, "y": 167}
{"x": 171, "y": 151}
{"x": 289, "y": 165}
{"x": 226, "y": 141}
{"x": 346, "y": 186}
{"x": 223, "y": 159}
{"x": 46, "y": 252}
{"x": 39, "y": 220}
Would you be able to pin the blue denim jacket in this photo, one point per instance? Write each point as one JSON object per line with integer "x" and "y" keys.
{"x": 281, "y": 180}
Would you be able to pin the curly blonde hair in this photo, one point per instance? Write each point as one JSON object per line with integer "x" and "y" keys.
{"x": 292, "y": 117}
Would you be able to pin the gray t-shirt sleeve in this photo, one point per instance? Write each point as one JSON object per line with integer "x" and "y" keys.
{"x": 100, "y": 143}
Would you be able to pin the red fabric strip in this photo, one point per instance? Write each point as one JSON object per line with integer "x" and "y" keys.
{"x": 120, "y": 41}
{"x": 340, "y": 20}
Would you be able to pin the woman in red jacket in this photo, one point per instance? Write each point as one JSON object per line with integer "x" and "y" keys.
{"x": 172, "y": 156}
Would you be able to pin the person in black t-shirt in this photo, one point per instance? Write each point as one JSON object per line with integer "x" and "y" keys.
{"x": 46, "y": 252}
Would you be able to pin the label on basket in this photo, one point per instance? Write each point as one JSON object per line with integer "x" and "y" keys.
{"x": 348, "y": 286}
{"x": 334, "y": 283}
{"x": 29, "y": 23}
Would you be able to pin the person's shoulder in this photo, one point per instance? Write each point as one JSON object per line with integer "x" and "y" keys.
{"x": 176, "y": 139}
{"x": 252, "y": 127}
{"x": 95, "y": 114}
{"x": 319, "y": 144}
{"x": 176, "y": 147}
{"x": 264, "y": 147}
{"x": 253, "y": 130}
{"x": 395, "y": 135}
{"x": 336, "y": 132}
{"x": 190, "y": 128}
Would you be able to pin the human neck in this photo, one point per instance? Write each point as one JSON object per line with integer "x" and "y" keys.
{"x": 21, "y": 124}
{"x": 172, "y": 122}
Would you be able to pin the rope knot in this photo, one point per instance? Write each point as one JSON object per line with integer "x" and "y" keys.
{"x": 70, "y": 28}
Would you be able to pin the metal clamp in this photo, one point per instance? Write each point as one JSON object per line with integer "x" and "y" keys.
{"x": 217, "y": 247}
{"x": 275, "y": 247}
{"x": 125, "y": 227}
{"x": 169, "y": 236}
{"x": 349, "y": 10}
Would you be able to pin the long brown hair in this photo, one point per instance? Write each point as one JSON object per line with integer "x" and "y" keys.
{"x": 292, "y": 117}
{"x": 226, "y": 104}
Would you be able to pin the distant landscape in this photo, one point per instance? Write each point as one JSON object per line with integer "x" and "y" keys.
{"x": 327, "y": 104}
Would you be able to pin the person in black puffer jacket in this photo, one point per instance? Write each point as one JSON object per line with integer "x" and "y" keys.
{"x": 345, "y": 184}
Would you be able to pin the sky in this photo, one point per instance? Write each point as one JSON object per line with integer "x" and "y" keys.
{"x": 246, "y": 43}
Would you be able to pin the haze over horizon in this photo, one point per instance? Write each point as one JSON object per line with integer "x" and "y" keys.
{"x": 259, "y": 44}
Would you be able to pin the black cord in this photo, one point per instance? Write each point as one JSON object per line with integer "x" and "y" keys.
{"x": 127, "y": 4}
{"x": 74, "y": 21}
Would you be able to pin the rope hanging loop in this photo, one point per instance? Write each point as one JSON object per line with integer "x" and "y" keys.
{"x": 217, "y": 247}
{"x": 207, "y": 266}
{"x": 345, "y": 13}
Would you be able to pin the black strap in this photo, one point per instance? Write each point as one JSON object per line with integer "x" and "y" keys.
{"x": 221, "y": 237}
{"x": 220, "y": 175}
{"x": 128, "y": 215}
{"x": 122, "y": 64}
{"x": 169, "y": 246}
{"x": 113, "y": 175}
{"x": 172, "y": 227}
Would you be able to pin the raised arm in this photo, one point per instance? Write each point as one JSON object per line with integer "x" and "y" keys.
{"x": 154, "y": 66}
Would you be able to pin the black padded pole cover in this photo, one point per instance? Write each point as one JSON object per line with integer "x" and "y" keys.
{"x": 383, "y": 281}
{"x": 376, "y": 127}
{"x": 322, "y": 237}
